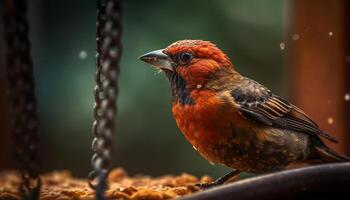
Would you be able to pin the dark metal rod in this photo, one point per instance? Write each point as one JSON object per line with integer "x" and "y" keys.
{"x": 109, "y": 49}
{"x": 21, "y": 91}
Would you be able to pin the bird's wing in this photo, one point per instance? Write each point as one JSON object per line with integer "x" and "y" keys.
{"x": 259, "y": 105}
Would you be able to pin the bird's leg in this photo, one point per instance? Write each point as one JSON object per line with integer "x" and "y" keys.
{"x": 219, "y": 181}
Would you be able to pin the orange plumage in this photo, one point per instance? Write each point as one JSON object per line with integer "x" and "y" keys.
{"x": 233, "y": 120}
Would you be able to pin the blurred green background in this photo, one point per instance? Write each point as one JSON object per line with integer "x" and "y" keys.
{"x": 147, "y": 139}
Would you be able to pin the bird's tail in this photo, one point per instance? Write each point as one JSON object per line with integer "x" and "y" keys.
{"x": 328, "y": 155}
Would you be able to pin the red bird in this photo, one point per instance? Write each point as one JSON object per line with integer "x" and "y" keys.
{"x": 233, "y": 120}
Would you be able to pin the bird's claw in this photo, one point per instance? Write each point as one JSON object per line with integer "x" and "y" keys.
{"x": 204, "y": 186}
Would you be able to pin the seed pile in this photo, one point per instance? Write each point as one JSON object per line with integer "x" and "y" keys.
{"x": 61, "y": 185}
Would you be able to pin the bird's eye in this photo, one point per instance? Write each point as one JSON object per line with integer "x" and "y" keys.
{"x": 185, "y": 57}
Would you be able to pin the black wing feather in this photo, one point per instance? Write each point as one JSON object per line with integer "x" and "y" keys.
{"x": 258, "y": 104}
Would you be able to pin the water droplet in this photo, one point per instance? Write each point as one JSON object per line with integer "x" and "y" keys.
{"x": 282, "y": 46}
{"x": 347, "y": 97}
{"x": 330, "y": 33}
{"x": 330, "y": 120}
{"x": 296, "y": 37}
{"x": 82, "y": 54}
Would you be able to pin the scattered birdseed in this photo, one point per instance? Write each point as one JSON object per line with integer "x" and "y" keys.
{"x": 62, "y": 185}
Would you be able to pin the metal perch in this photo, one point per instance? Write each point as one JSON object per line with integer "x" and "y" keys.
{"x": 319, "y": 181}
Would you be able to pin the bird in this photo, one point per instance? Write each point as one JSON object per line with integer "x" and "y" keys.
{"x": 233, "y": 120}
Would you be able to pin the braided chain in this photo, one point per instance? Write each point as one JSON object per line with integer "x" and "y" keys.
{"x": 109, "y": 51}
{"x": 21, "y": 92}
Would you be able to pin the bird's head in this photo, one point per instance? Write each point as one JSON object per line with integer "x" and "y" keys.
{"x": 189, "y": 65}
{"x": 193, "y": 60}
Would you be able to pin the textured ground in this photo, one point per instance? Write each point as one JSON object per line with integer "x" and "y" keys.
{"x": 61, "y": 186}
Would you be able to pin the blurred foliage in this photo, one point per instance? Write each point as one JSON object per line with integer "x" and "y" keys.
{"x": 147, "y": 139}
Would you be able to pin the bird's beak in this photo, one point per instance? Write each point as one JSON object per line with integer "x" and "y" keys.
{"x": 158, "y": 59}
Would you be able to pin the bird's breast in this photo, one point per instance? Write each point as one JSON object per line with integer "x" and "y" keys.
{"x": 204, "y": 123}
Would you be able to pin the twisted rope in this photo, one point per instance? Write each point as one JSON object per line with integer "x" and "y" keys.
{"x": 21, "y": 91}
{"x": 108, "y": 56}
